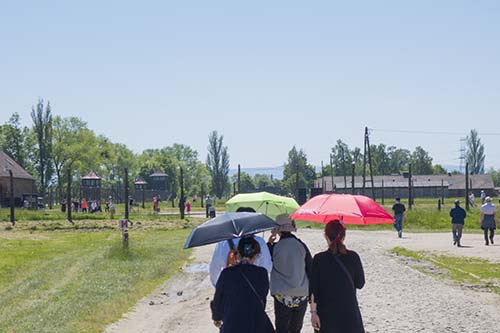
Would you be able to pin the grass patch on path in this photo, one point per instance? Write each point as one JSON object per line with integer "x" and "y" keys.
{"x": 468, "y": 272}
{"x": 81, "y": 281}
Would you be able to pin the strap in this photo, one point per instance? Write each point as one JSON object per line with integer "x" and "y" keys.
{"x": 231, "y": 244}
{"x": 253, "y": 289}
{"x": 341, "y": 264}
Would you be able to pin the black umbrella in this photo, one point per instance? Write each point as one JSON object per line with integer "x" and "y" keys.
{"x": 229, "y": 226}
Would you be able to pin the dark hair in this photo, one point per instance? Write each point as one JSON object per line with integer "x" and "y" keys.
{"x": 398, "y": 199}
{"x": 335, "y": 231}
{"x": 245, "y": 209}
{"x": 248, "y": 247}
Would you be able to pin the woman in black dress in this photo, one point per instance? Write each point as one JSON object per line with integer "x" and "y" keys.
{"x": 240, "y": 294}
{"x": 336, "y": 274}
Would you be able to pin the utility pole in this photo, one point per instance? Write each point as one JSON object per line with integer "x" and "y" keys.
{"x": 352, "y": 177}
{"x": 239, "y": 179}
{"x": 364, "y": 160}
{"x": 331, "y": 172}
{"x": 182, "y": 201}
{"x": 297, "y": 180}
{"x": 467, "y": 186}
{"x": 68, "y": 196}
{"x": 383, "y": 192}
{"x": 322, "y": 178}
{"x": 12, "y": 212}
{"x": 410, "y": 196}
{"x": 125, "y": 178}
{"x": 370, "y": 161}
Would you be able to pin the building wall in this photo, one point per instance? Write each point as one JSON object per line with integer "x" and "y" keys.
{"x": 21, "y": 186}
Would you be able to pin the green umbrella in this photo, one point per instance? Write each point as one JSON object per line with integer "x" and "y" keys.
{"x": 269, "y": 204}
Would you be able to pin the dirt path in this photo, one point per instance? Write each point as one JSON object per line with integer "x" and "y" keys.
{"x": 396, "y": 298}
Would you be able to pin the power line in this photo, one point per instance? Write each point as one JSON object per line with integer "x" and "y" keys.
{"x": 429, "y": 132}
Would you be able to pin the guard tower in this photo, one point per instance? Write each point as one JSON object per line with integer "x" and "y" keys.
{"x": 158, "y": 181}
{"x": 91, "y": 186}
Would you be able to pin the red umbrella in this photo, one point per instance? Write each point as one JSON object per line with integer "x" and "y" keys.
{"x": 351, "y": 209}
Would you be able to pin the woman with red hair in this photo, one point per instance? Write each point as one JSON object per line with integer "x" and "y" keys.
{"x": 336, "y": 274}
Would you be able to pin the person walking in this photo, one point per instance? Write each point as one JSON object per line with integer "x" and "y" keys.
{"x": 188, "y": 208}
{"x": 289, "y": 284}
{"x": 483, "y": 197}
{"x": 399, "y": 210}
{"x": 488, "y": 220}
{"x": 458, "y": 216}
{"x": 239, "y": 301}
{"x": 336, "y": 274}
{"x": 84, "y": 206}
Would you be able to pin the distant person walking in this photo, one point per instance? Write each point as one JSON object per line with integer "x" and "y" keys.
{"x": 336, "y": 274}
{"x": 458, "y": 216}
{"x": 188, "y": 208}
{"x": 292, "y": 264}
{"x": 208, "y": 204}
{"x": 488, "y": 220}
{"x": 399, "y": 210}
{"x": 483, "y": 197}
{"x": 84, "y": 206}
{"x": 472, "y": 199}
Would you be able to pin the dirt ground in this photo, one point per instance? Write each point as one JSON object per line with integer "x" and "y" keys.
{"x": 396, "y": 297}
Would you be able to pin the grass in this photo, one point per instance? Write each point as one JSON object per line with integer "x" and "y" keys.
{"x": 80, "y": 281}
{"x": 471, "y": 272}
{"x": 424, "y": 217}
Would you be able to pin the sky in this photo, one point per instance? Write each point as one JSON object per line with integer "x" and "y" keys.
{"x": 266, "y": 74}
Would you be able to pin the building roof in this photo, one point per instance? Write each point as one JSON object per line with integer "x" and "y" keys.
{"x": 452, "y": 182}
{"x": 7, "y": 163}
{"x": 140, "y": 182}
{"x": 91, "y": 175}
{"x": 158, "y": 173}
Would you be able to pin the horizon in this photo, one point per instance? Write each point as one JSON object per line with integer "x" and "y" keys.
{"x": 266, "y": 76}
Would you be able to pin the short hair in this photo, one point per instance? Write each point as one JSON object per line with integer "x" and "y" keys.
{"x": 398, "y": 199}
{"x": 248, "y": 247}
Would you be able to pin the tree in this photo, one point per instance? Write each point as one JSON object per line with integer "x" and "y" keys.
{"x": 421, "y": 162}
{"x": 380, "y": 159}
{"x": 12, "y": 140}
{"x": 218, "y": 163}
{"x": 475, "y": 153}
{"x": 42, "y": 126}
{"x": 438, "y": 169}
{"x": 495, "y": 175}
{"x": 74, "y": 148}
{"x": 297, "y": 162}
{"x": 398, "y": 159}
{"x": 342, "y": 159}
{"x": 246, "y": 182}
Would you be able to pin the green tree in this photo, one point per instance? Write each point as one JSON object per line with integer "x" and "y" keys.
{"x": 341, "y": 159}
{"x": 495, "y": 175}
{"x": 297, "y": 164}
{"x": 380, "y": 159}
{"x": 398, "y": 159}
{"x": 421, "y": 162}
{"x": 42, "y": 126}
{"x": 475, "y": 153}
{"x": 74, "y": 148}
{"x": 437, "y": 169}
{"x": 218, "y": 163}
{"x": 246, "y": 182}
{"x": 13, "y": 140}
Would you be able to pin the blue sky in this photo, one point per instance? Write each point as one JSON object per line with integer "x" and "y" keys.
{"x": 267, "y": 75}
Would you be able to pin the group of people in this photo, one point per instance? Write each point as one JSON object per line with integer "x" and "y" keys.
{"x": 244, "y": 270}
{"x": 488, "y": 219}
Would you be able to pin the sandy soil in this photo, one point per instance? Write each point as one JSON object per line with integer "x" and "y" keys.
{"x": 396, "y": 298}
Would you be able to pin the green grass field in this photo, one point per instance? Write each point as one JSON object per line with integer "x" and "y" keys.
{"x": 80, "y": 281}
{"x": 473, "y": 272}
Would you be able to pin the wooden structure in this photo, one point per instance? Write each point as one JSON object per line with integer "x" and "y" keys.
{"x": 90, "y": 188}
{"x": 23, "y": 182}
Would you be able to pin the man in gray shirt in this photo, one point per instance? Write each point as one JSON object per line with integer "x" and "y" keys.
{"x": 289, "y": 284}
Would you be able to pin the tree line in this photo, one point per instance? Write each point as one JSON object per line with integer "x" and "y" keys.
{"x": 54, "y": 145}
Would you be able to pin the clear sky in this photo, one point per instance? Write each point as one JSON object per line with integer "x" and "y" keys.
{"x": 266, "y": 74}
